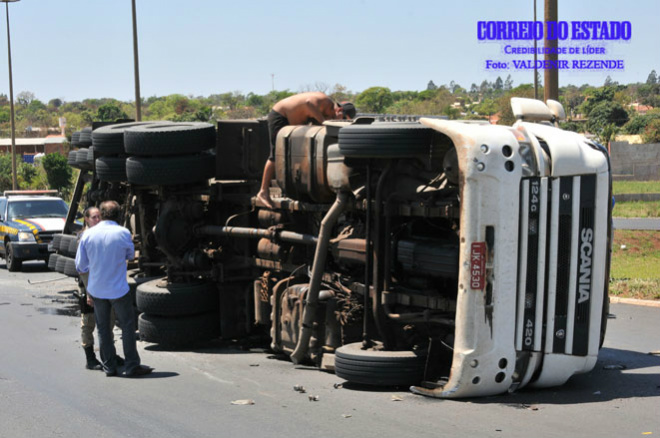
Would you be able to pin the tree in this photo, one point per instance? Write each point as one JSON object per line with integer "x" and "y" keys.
{"x": 499, "y": 84}
{"x": 604, "y": 118}
{"x": 110, "y": 112}
{"x": 431, "y": 86}
{"x": 508, "y": 83}
{"x": 652, "y": 132}
{"x": 652, "y": 78}
{"x": 55, "y": 103}
{"x": 5, "y": 172}
{"x": 638, "y": 124}
{"x": 58, "y": 172}
{"x": 24, "y": 98}
{"x": 374, "y": 99}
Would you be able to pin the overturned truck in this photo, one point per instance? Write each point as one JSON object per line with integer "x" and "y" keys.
{"x": 461, "y": 259}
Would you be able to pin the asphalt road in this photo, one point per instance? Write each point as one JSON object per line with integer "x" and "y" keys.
{"x": 45, "y": 392}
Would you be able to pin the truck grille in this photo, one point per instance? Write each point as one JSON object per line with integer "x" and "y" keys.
{"x": 555, "y": 276}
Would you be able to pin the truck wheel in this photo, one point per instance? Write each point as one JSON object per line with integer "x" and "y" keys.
{"x": 169, "y": 138}
{"x": 377, "y": 367}
{"x": 60, "y": 264}
{"x": 164, "y": 171}
{"x": 178, "y": 331}
{"x": 74, "y": 139}
{"x": 81, "y": 158}
{"x": 13, "y": 264}
{"x": 73, "y": 246}
{"x": 385, "y": 140}
{"x": 65, "y": 244}
{"x": 56, "y": 241}
{"x": 111, "y": 169}
{"x": 70, "y": 267}
{"x": 85, "y": 138}
{"x": 52, "y": 261}
{"x": 109, "y": 140}
{"x": 158, "y": 297}
{"x": 72, "y": 159}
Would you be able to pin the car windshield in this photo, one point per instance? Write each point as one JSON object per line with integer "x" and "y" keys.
{"x": 37, "y": 208}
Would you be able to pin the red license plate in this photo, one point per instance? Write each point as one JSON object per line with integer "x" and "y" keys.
{"x": 478, "y": 266}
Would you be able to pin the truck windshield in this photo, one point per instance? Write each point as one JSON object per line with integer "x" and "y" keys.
{"x": 37, "y": 208}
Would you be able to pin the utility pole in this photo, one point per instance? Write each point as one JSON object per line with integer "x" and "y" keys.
{"x": 551, "y": 77}
{"x": 536, "y": 72}
{"x": 136, "y": 63}
{"x": 272, "y": 81}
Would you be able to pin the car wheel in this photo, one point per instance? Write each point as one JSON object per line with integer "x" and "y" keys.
{"x": 378, "y": 367}
{"x": 13, "y": 264}
{"x": 183, "y": 169}
{"x": 52, "y": 261}
{"x": 169, "y": 138}
{"x": 70, "y": 267}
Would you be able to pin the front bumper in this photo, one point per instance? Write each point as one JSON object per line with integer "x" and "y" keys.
{"x": 30, "y": 250}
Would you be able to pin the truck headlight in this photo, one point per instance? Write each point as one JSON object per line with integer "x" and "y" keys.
{"x": 24, "y": 236}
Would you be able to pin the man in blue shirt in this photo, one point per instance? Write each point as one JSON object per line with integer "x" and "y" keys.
{"x": 103, "y": 252}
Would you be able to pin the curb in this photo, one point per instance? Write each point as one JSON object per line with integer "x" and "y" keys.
{"x": 633, "y": 301}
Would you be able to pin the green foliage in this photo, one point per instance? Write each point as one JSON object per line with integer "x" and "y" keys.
{"x": 504, "y": 103}
{"x": 597, "y": 95}
{"x": 652, "y": 132}
{"x": 375, "y": 99}
{"x": 620, "y": 187}
{"x": 58, "y": 172}
{"x": 5, "y": 172}
{"x": 571, "y": 126}
{"x": 605, "y": 118}
{"x": 109, "y": 112}
{"x": 638, "y": 124}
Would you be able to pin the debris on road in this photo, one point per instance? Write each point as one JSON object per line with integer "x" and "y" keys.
{"x": 396, "y": 398}
{"x": 614, "y": 367}
{"x": 242, "y": 402}
{"x": 301, "y": 389}
{"x": 313, "y": 398}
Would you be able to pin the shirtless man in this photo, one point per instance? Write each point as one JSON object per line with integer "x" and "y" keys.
{"x": 299, "y": 109}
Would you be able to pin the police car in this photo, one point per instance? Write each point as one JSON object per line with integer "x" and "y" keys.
{"x": 28, "y": 221}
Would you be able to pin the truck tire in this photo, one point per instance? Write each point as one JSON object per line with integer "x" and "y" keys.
{"x": 74, "y": 139}
{"x": 169, "y": 138}
{"x": 185, "y": 169}
{"x": 81, "y": 158}
{"x": 52, "y": 261}
{"x": 13, "y": 264}
{"x": 73, "y": 247}
{"x": 85, "y": 138}
{"x": 72, "y": 159}
{"x": 109, "y": 140}
{"x": 377, "y": 367}
{"x": 65, "y": 244}
{"x": 158, "y": 297}
{"x": 178, "y": 331}
{"x": 70, "y": 267}
{"x": 60, "y": 264}
{"x": 385, "y": 140}
{"x": 56, "y": 241}
{"x": 111, "y": 169}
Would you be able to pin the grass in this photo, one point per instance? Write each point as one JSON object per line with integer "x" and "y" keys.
{"x": 621, "y": 187}
{"x": 642, "y": 209}
{"x": 635, "y": 270}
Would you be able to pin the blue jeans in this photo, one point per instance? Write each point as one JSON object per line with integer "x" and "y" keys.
{"x": 126, "y": 316}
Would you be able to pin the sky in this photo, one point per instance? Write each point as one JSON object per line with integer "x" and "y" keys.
{"x": 78, "y": 49}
